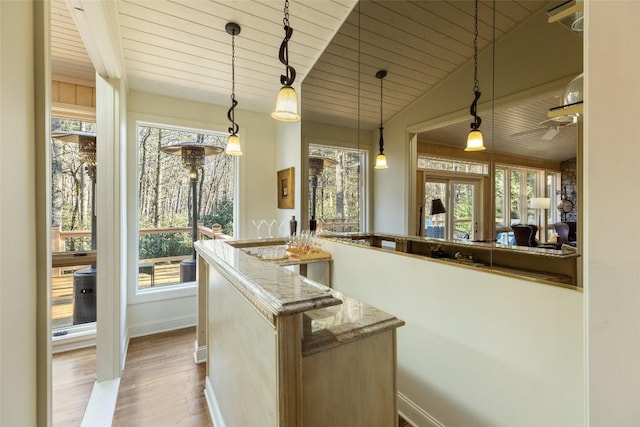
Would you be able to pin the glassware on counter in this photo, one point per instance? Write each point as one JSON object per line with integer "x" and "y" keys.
{"x": 258, "y": 223}
{"x": 272, "y": 253}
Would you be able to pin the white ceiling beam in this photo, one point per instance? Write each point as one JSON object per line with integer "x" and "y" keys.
{"x": 97, "y": 22}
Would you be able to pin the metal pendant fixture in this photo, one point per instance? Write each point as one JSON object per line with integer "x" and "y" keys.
{"x": 287, "y": 102}
{"x": 233, "y": 142}
{"x": 474, "y": 139}
{"x": 381, "y": 159}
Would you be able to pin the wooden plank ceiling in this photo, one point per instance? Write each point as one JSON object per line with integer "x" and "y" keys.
{"x": 181, "y": 49}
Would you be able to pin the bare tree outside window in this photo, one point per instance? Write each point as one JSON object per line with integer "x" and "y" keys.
{"x": 164, "y": 197}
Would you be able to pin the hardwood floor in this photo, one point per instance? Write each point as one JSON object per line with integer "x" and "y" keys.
{"x": 73, "y": 375}
{"x": 161, "y": 384}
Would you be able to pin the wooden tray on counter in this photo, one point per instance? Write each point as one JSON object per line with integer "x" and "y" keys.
{"x": 312, "y": 254}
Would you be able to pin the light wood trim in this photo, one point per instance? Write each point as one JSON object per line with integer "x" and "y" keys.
{"x": 241, "y": 357}
{"x": 577, "y": 7}
{"x": 426, "y": 148}
{"x": 73, "y": 94}
{"x": 78, "y": 112}
{"x": 352, "y": 384}
{"x": 289, "y": 347}
{"x": 71, "y": 259}
{"x": 566, "y": 111}
{"x": 202, "y": 279}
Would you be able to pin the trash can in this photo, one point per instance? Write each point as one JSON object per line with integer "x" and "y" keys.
{"x": 84, "y": 296}
{"x": 188, "y": 270}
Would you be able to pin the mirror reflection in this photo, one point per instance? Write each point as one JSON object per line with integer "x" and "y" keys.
{"x": 528, "y": 174}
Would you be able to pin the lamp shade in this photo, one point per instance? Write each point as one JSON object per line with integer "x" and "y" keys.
{"x": 540, "y": 203}
{"x": 381, "y": 162}
{"x": 474, "y": 141}
{"x": 233, "y": 146}
{"x": 286, "y": 105}
{"x": 437, "y": 207}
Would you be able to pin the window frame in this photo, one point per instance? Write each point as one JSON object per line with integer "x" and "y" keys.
{"x": 363, "y": 204}
{"x": 179, "y": 290}
{"x": 541, "y": 189}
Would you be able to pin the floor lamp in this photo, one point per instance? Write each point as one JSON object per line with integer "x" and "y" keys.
{"x": 437, "y": 207}
{"x": 316, "y": 167}
{"x": 542, "y": 204}
{"x": 193, "y": 154}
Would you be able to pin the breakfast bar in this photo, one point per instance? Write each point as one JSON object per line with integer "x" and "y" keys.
{"x": 285, "y": 350}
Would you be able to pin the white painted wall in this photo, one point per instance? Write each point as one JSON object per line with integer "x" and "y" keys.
{"x": 256, "y": 195}
{"x": 18, "y": 264}
{"x": 612, "y": 172}
{"x": 288, "y": 152}
{"x": 478, "y": 349}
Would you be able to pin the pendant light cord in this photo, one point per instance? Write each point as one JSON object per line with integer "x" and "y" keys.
{"x": 233, "y": 130}
{"x": 289, "y": 77}
{"x": 476, "y": 85}
{"x": 381, "y": 142}
{"x": 381, "y": 101}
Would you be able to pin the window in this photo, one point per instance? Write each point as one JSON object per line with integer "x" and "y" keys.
{"x": 336, "y": 188}
{"x": 71, "y": 211}
{"x": 459, "y": 166}
{"x": 165, "y": 202}
{"x": 457, "y": 184}
{"x": 514, "y": 188}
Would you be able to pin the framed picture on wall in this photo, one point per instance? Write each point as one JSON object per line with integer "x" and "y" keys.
{"x": 286, "y": 189}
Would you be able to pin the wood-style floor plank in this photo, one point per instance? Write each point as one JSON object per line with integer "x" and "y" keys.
{"x": 161, "y": 384}
{"x": 73, "y": 376}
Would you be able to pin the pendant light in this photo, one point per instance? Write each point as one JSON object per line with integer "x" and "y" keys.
{"x": 381, "y": 159}
{"x": 233, "y": 142}
{"x": 287, "y": 102}
{"x": 474, "y": 139}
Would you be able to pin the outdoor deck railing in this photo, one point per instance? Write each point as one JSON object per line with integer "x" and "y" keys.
{"x": 63, "y": 258}
{"x": 164, "y": 270}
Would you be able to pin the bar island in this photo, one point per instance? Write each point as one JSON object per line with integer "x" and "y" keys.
{"x": 284, "y": 350}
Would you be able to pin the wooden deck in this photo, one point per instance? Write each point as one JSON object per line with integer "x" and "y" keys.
{"x": 62, "y": 290}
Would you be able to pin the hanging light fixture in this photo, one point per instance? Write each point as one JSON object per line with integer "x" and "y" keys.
{"x": 474, "y": 139}
{"x": 287, "y": 102}
{"x": 233, "y": 142}
{"x": 381, "y": 159}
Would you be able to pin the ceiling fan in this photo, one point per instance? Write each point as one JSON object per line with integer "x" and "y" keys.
{"x": 548, "y": 129}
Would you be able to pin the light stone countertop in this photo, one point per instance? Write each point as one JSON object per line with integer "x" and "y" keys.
{"x": 278, "y": 290}
{"x": 330, "y": 318}
{"x": 462, "y": 244}
{"x": 352, "y": 320}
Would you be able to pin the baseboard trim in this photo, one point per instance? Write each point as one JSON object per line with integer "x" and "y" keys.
{"x": 414, "y": 414}
{"x": 125, "y": 350}
{"x": 212, "y": 404}
{"x": 164, "y": 325}
{"x": 74, "y": 340}
{"x": 102, "y": 404}
{"x": 200, "y": 353}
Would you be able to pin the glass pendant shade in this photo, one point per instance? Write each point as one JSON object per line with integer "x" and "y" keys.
{"x": 381, "y": 162}
{"x": 474, "y": 141}
{"x": 286, "y": 105}
{"x": 233, "y": 146}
